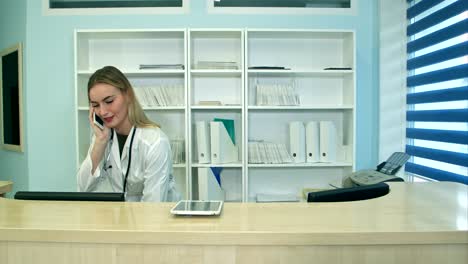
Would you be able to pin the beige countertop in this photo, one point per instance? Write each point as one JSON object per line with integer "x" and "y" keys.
{"x": 412, "y": 213}
{"x": 5, "y": 186}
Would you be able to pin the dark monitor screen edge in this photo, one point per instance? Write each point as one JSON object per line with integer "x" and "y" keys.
{"x": 70, "y": 196}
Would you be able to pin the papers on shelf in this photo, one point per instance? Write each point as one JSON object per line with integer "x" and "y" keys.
{"x": 277, "y": 94}
{"x": 162, "y": 66}
{"x": 178, "y": 151}
{"x": 268, "y": 68}
{"x": 216, "y": 65}
{"x": 210, "y": 103}
{"x": 338, "y": 69}
{"x": 268, "y": 152}
{"x": 164, "y": 95}
{"x": 268, "y": 198}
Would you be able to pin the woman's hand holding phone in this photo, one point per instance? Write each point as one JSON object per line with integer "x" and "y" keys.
{"x": 101, "y": 138}
{"x": 101, "y": 132}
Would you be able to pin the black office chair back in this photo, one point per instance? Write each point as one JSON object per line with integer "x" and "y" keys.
{"x": 350, "y": 194}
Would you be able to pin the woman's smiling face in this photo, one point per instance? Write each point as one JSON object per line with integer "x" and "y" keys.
{"x": 109, "y": 103}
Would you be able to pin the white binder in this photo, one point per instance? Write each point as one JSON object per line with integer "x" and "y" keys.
{"x": 208, "y": 187}
{"x": 203, "y": 142}
{"x": 312, "y": 142}
{"x": 223, "y": 149}
{"x": 297, "y": 142}
{"x": 328, "y": 141}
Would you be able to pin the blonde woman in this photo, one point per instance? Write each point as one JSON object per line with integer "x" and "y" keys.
{"x": 128, "y": 153}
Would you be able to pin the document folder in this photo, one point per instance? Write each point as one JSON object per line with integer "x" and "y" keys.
{"x": 223, "y": 150}
{"x": 209, "y": 188}
{"x": 203, "y": 142}
{"x": 328, "y": 141}
{"x": 297, "y": 141}
{"x": 229, "y": 125}
{"x": 313, "y": 141}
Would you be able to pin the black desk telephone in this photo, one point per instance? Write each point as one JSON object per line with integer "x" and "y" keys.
{"x": 385, "y": 172}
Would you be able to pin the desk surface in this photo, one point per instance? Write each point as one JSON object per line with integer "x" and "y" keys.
{"x": 412, "y": 213}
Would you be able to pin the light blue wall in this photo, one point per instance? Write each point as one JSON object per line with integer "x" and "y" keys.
{"x": 50, "y": 97}
{"x": 14, "y": 165}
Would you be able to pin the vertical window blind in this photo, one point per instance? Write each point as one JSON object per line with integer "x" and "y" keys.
{"x": 437, "y": 82}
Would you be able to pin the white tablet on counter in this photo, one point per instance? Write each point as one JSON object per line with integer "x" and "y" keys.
{"x": 194, "y": 207}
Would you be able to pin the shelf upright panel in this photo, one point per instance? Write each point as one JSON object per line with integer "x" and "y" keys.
{"x": 216, "y": 90}
{"x": 306, "y": 75}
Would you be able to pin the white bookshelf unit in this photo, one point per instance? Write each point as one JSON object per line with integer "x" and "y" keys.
{"x": 218, "y": 82}
{"x": 216, "y": 61}
{"x": 127, "y": 50}
{"x": 325, "y": 95}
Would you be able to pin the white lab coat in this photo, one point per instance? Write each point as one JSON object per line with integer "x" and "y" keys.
{"x": 150, "y": 177}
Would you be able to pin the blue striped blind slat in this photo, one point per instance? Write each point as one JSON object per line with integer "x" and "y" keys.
{"x": 450, "y": 157}
{"x": 448, "y": 74}
{"x": 435, "y": 174}
{"x": 443, "y": 95}
{"x": 441, "y": 35}
{"x": 437, "y": 17}
{"x": 450, "y": 115}
{"x": 421, "y": 7}
{"x": 441, "y": 55}
{"x": 447, "y": 136}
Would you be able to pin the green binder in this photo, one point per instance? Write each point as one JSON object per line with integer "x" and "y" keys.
{"x": 229, "y": 125}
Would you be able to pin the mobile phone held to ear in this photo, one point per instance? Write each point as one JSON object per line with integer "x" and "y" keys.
{"x": 98, "y": 121}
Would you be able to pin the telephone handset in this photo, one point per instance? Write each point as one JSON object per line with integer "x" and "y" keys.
{"x": 385, "y": 172}
{"x": 98, "y": 121}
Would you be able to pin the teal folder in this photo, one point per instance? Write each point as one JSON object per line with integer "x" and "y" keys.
{"x": 229, "y": 125}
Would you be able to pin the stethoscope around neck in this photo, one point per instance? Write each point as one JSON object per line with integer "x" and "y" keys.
{"x": 111, "y": 141}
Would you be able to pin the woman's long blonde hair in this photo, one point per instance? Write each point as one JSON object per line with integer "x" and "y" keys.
{"x": 112, "y": 76}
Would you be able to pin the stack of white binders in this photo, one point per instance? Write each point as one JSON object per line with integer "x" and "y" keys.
{"x": 314, "y": 142}
{"x": 219, "y": 65}
{"x": 214, "y": 143}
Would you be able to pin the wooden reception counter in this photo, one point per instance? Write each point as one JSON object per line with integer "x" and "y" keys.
{"x": 414, "y": 223}
{"x": 5, "y": 186}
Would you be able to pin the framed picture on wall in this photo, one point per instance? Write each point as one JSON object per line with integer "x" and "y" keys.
{"x": 11, "y": 106}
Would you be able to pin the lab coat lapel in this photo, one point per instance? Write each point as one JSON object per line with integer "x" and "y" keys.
{"x": 126, "y": 148}
{"x": 115, "y": 151}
